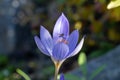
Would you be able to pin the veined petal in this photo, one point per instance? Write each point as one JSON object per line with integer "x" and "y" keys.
{"x": 61, "y": 27}
{"x": 46, "y": 39}
{"x": 40, "y": 46}
{"x": 72, "y": 40}
{"x": 78, "y": 48}
{"x": 60, "y": 50}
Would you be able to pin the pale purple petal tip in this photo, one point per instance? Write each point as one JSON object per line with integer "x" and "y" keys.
{"x": 41, "y": 46}
{"x": 61, "y": 27}
{"x": 60, "y": 51}
{"x": 46, "y": 39}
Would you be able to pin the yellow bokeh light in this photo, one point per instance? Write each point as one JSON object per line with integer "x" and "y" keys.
{"x": 78, "y": 25}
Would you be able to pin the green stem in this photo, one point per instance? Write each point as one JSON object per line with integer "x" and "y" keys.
{"x": 57, "y": 67}
{"x": 56, "y": 73}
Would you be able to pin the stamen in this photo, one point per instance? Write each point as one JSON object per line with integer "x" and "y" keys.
{"x": 63, "y": 40}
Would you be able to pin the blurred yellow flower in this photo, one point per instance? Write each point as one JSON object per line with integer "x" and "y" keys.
{"x": 78, "y": 25}
{"x": 113, "y": 4}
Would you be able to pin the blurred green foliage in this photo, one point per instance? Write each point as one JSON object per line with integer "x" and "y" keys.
{"x": 3, "y": 60}
{"x": 48, "y": 71}
{"x": 96, "y": 72}
{"x": 7, "y": 69}
{"x": 104, "y": 47}
{"x": 23, "y": 74}
{"x": 82, "y": 61}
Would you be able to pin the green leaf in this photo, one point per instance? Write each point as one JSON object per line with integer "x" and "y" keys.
{"x": 71, "y": 77}
{"x": 96, "y": 54}
{"x": 23, "y": 74}
{"x": 113, "y": 4}
{"x": 96, "y": 72}
{"x": 82, "y": 59}
{"x": 48, "y": 70}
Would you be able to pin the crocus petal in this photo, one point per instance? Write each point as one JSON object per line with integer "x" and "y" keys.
{"x": 40, "y": 46}
{"x": 78, "y": 48}
{"x": 72, "y": 40}
{"x": 61, "y": 27}
{"x": 62, "y": 77}
{"x": 60, "y": 50}
{"x": 46, "y": 39}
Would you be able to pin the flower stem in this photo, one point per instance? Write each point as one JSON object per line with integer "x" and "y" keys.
{"x": 57, "y": 67}
{"x": 56, "y": 73}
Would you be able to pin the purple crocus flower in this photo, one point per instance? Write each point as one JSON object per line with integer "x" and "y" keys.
{"x": 61, "y": 45}
{"x": 62, "y": 77}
